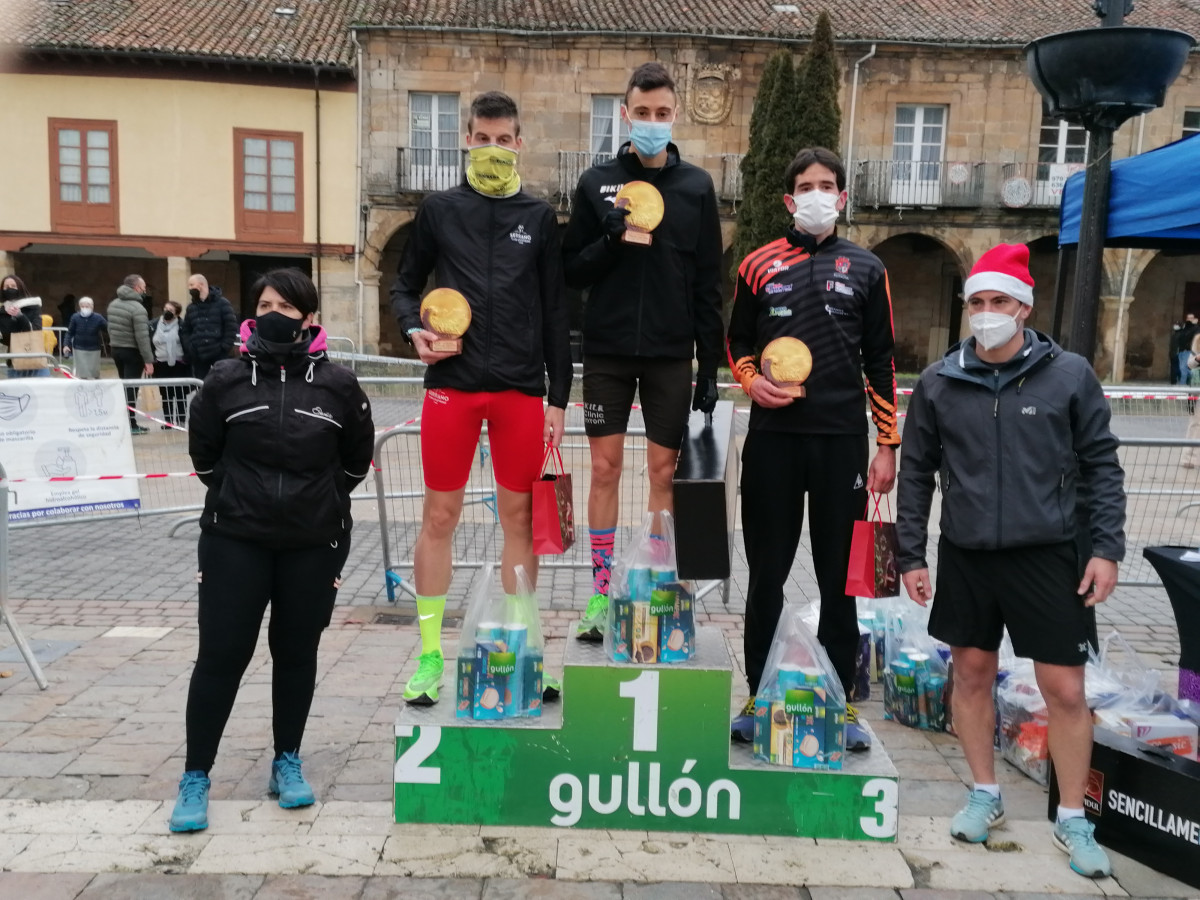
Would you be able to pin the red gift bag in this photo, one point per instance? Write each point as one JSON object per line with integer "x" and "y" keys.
{"x": 553, "y": 508}
{"x": 873, "y": 571}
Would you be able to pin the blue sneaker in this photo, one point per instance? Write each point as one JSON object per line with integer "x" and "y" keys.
{"x": 858, "y": 738}
{"x": 1076, "y": 836}
{"x": 971, "y": 823}
{"x": 741, "y": 729}
{"x": 289, "y": 784}
{"x": 191, "y": 806}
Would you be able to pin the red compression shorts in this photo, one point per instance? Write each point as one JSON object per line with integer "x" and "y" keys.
{"x": 450, "y": 424}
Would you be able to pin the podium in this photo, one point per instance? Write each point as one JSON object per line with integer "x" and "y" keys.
{"x": 642, "y": 747}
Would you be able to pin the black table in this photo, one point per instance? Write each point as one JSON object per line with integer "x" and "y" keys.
{"x": 1182, "y": 581}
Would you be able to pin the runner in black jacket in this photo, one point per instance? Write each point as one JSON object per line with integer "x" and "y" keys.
{"x": 279, "y": 437}
{"x": 833, "y": 295}
{"x": 499, "y": 248}
{"x": 649, "y": 311}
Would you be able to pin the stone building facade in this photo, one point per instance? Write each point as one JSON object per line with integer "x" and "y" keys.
{"x": 948, "y": 153}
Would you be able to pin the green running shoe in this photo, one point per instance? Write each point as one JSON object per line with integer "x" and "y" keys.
{"x": 422, "y": 688}
{"x": 551, "y": 688}
{"x": 595, "y": 620}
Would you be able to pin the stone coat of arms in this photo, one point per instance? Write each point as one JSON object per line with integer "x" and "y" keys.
{"x": 710, "y": 99}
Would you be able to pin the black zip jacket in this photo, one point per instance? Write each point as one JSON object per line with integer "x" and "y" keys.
{"x": 503, "y": 255}
{"x": 209, "y": 328}
{"x": 280, "y": 447}
{"x": 1024, "y": 452}
{"x": 658, "y": 301}
{"x": 833, "y": 296}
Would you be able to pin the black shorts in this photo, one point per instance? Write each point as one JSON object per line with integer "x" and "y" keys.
{"x": 1029, "y": 589}
{"x": 664, "y": 388}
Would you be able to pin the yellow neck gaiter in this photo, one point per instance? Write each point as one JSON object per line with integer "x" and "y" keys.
{"x": 493, "y": 170}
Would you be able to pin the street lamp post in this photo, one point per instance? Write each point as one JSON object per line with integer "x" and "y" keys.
{"x": 1099, "y": 78}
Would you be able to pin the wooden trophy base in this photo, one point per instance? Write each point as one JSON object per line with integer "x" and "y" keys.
{"x": 636, "y": 236}
{"x": 792, "y": 390}
{"x": 446, "y": 345}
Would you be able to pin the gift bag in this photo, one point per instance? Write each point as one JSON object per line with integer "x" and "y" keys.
{"x": 149, "y": 399}
{"x": 650, "y": 611}
{"x": 914, "y": 676}
{"x": 553, "y": 508}
{"x": 27, "y": 342}
{"x": 873, "y": 571}
{"x": 500, "y": 653}
{"x": 800, "y": 708}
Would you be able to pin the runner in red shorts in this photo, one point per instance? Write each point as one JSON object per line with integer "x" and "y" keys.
{"x": 499, "y": 248}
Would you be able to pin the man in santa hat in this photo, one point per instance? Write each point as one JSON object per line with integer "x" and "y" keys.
{"x": 1019, "y": 430}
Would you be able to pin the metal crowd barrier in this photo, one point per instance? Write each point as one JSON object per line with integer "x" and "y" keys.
{"x": 5, "y": 615}
{"x": 1162, "y": 502}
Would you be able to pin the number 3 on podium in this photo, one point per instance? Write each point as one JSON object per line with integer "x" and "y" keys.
{"x": 883, "y": 824}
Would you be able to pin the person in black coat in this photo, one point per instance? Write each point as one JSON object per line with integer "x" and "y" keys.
{"x": 280, "y": 437}
{"x": 209, "y": 326}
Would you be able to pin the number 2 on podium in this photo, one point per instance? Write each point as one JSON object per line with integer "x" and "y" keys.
{"x": 643, "y": 691}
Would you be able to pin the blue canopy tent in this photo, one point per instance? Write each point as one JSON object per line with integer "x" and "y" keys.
{"x": 1154, "y": 200}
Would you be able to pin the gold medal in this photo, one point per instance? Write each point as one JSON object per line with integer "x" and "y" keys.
{"x": 787, "y": 362}
{"x": 646, "y": 208}
{"x": 446, "y": 313}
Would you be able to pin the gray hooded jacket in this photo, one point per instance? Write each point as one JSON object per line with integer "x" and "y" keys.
{"x": 1023, "y": 452}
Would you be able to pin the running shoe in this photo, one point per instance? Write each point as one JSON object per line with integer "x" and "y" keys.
{"x": 858, "y": 738}
{"x": 191, "y": 806}
{"x": 741, "y": 729}
{"x": 551, "y": 688}
{"x": 422, "y": 688}
{"x": 595, "y": 620}
{"x": 982, "y": 812}
{"x": 1076, "y": 837}
{"x": 289, "y": 783}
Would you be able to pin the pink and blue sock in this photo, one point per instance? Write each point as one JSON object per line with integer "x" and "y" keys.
{"x": 602, "y": 553}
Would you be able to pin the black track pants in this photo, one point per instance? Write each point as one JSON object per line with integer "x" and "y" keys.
{"x": 778, "y": 469}
{"x": 239, "y": 579}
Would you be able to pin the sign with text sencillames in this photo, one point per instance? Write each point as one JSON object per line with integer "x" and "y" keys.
{"x": 54, "y": 428}
{"x": 636, "y": 747}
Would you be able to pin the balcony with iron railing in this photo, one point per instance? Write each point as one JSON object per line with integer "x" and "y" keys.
{"x": 424, "y": 169}
{"x": 958, "y": 184}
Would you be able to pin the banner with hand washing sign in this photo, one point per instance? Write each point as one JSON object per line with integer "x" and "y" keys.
{"x": 66, "y": 430}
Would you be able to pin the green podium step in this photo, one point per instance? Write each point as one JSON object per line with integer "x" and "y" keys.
{"x": 642, "y": 747}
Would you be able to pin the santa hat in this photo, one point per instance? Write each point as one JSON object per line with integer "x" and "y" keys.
{"x": 1004, "y": 268}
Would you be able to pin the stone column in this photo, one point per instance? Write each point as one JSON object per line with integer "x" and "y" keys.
{"x": 1112, "y": 336}
{"x": 370, "y": 306}
{"x": 179, "y": 270}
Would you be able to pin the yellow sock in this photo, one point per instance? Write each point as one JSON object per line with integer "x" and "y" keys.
{"x": 429, "y": 617}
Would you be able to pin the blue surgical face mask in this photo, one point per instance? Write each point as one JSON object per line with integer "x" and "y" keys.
{"x": 650, "y": 138}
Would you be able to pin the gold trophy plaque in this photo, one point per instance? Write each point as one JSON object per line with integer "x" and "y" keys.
{"x": 787, "y": 362}
{"x": 645, "y": 205}
{"x": 446, "y": 313}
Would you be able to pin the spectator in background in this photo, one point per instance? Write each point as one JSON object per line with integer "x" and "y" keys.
{"x": 169, "y": 362}
{"x": 129, "y": 337}
{"x": 209, "y": 326}
{"x": 1183, "y": 345}
{"x": 66, "y": 309}
{"x": 83, "y": 339}
{"x": 22, "y": 313}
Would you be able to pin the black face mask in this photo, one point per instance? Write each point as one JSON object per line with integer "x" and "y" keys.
{"x": 278, "y": 328}
{"x": 168, "y": 315}
{"x": 195, "y": 294}
{"x": 10, "y": 294}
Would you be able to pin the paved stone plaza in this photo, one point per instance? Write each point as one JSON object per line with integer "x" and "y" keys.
{"x": 88, "y": 768}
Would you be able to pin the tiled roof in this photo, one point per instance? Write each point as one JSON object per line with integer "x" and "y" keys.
{"x": 249, "y": 30}
{"x": 973, "y": 21}
{"x": 318, "y": 32}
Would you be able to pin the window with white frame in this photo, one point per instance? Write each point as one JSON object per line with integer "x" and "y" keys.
{"x": 435, "y": 160}
{"x": 609, "y": 130}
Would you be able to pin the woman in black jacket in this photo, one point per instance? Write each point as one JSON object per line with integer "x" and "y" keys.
{"x": 280, "y": 437}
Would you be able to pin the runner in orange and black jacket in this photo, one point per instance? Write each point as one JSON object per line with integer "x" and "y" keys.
{"x": 833, "y": 295}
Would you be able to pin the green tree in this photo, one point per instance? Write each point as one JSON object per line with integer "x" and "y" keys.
{"x": 761, "y": 217}
{"x": 821, "y": 122}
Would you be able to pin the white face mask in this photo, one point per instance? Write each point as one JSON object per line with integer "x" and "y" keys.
{"x": 816, "y": 211}
{"x": 85, "y": 311}
{"x": 993, "y": 329}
